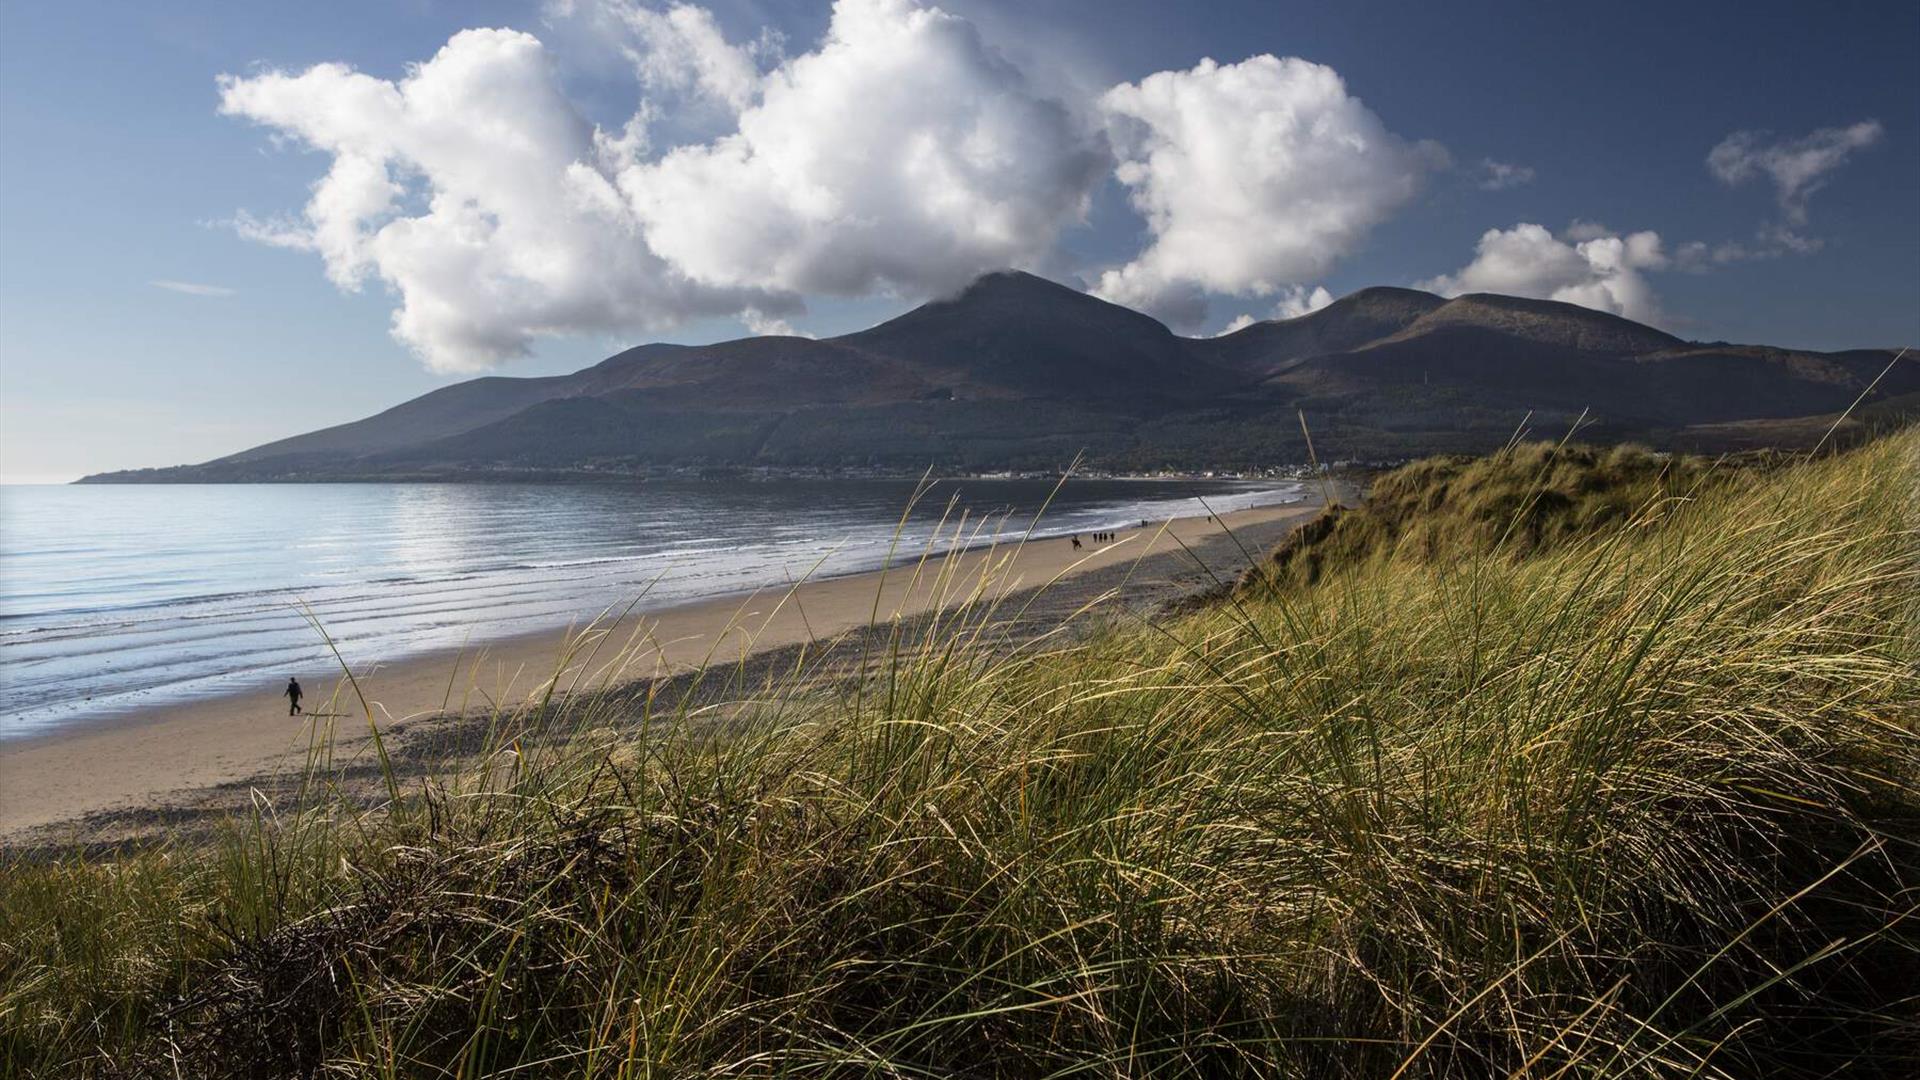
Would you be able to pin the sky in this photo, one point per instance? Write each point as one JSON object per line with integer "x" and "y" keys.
{"x": 225, "y": 223}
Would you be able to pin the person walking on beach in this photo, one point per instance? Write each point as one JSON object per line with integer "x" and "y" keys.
{"x": 1076, "y": 542}
{"x": 293, "y": 697}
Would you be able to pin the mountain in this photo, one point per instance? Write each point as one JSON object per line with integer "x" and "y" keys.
{"x": 1264, "y": 348}
{"x": 1017, "y": 335}
{"x": 1016, "y": 371}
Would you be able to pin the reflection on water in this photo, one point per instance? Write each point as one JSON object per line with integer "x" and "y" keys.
{"x": 117, "y": 597}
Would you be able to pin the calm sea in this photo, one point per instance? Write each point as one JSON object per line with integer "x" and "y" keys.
{"x": 114, "y": 598}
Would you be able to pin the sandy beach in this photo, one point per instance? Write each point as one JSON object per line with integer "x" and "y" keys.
{"x": 152, "y": 757}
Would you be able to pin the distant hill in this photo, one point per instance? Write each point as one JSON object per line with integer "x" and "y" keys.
{"x": 1019, "y": 372}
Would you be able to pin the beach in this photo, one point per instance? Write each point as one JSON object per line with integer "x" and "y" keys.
{"x": 63, "y": 783}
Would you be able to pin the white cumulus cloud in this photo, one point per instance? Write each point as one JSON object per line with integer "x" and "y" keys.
{"x": 1240, "y": 322}
{"x": 1251, "y": 177}
{"x": 1295, "y": 301}
{"x": 477, "y": 193}
{"x": 1590, "y": 265}
{"x": 1298, "y": 300}
{"x": 905, "y": 154}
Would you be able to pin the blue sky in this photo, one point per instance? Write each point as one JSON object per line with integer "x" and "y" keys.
{"x": 121, "y": 171}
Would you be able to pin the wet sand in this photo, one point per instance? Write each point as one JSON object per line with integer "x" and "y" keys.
{"x": 151, "y": 758}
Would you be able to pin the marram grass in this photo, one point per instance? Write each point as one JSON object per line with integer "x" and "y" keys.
{"x": 1640, "y": 804}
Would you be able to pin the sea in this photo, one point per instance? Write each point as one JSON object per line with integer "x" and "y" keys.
{"x": 119, "y": 597}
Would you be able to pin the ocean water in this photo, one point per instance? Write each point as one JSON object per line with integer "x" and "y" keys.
{"x": 119, "y": 597}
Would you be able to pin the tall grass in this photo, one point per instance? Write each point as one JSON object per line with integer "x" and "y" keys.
{"x": 1642, "y": 803}
{"x": 1527, "y": 497}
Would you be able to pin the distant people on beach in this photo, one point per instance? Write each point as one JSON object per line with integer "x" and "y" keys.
{"x": 293, "y": 693}
{"x": 1076, "y": 541}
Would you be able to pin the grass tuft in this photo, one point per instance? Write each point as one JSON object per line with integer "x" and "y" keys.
{"x": 1526, "y": 498}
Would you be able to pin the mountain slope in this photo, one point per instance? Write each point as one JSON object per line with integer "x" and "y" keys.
{"x": 1544, "y": 323}
{"x": 768, "y": 373}
{"x": 446, "y": 411}
{"x": 1019, "y": 372}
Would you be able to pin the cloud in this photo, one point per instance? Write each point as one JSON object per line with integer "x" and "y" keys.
{"x": 1798, "y": 167}
{"x": 1580, "y": 230}
{"x": 1499, "y": 175}
{"x": 905, "y": 154}
{"x": 1251, "y": 177}
{"x": 1777, "y": 239}
{"x": 1240, "y": 322}
{"x": 476, "y": 192}
{"x": 1590, "y": 266}
{"x": 768, "y": 325}
{"x": 1298, "y": 300}
{"x": 191, "y": 288}
{"x": 682, "y": 49}
{"x": 1295, "y": 301}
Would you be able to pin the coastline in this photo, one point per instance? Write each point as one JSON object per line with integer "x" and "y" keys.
{"x": 149, "y": 758}
{"x": 186, "y": 474}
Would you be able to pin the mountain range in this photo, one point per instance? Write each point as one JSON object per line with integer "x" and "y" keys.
{"x": 1018, "y": 372}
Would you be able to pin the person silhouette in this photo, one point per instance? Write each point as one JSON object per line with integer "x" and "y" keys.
{"x": 1076, "y": 543}
{"x": 293, "y": 697}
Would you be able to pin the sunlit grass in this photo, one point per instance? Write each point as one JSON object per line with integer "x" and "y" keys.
{"x": 1641, "y": 802}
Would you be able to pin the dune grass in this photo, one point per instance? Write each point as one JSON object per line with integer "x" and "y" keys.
{"x": 1640, "y": 802}
{"x": 1526, "y": 498}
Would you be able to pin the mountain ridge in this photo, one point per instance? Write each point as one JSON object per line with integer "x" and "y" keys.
{"x": 1015, "y": 371}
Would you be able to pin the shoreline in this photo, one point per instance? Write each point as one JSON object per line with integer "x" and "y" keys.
{"x": 93, "y": 645}
{"x": 129, "y": 707}
{"x": 163, "y": 475}
{"x": 149, "y": 757}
